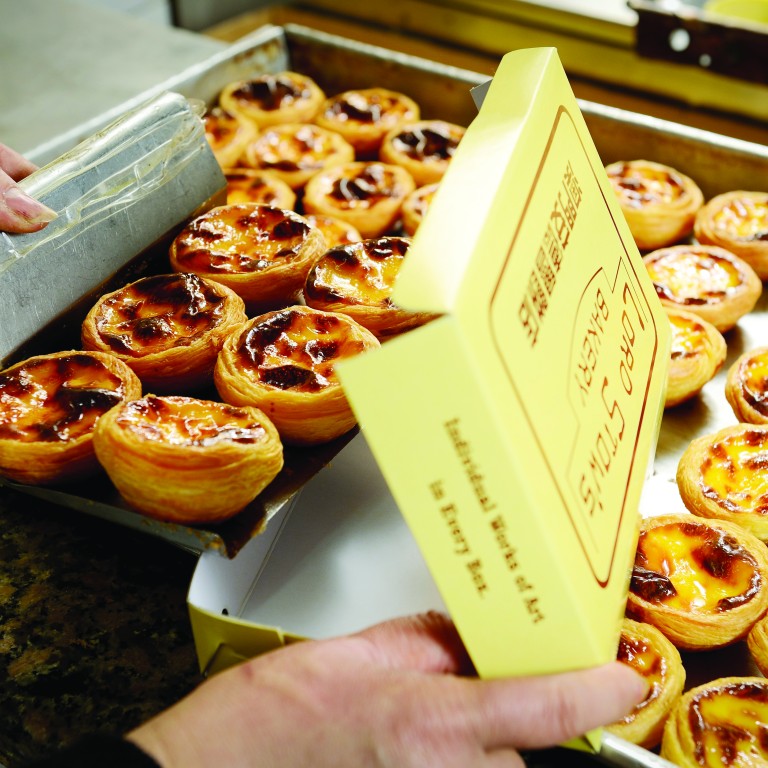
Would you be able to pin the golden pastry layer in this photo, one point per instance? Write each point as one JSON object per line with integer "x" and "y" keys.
{"x": 737, "y": 221}
{"x": 297, "y": 151}
{"x": 228, "y": 135}
{"x": 697, "y": 353}
{"x": 49, "y": 405}
{"x": 367, "y": 195}
{"x": 335, "y": 231}
{"x": 424, "y": 148}
{"x": 283, "y": 362}
{"x": 746, "y": 387}
{"x": 757, "y": 642}
{"x": 703, "y": 583}
{"x": 247, "y": 185}
{"x": 722, "y": 476}
{"x": 709, "y": 281}
{"x": 260, "y": 252}
{"x": 653, "y": 657}
{"x": 721, "y": 723}
{"x": 364, "y": 116}
{"x": 167, "y": 328}
{"x": 186, "y": 460}
{"x": 658, "y": 202}
{"x": 271, "y": 99}
{"x": 415, "y": 207}
{"x": 358, "y": 280}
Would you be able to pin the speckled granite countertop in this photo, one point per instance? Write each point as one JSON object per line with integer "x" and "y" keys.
{"x": 94, "y": 632}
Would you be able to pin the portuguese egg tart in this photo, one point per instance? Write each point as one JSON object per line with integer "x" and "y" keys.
{"x": 186, "y": 460}
{"x": 424, "y": 148}
{"x": 719, "y": 723}
{"x": 297, "y": 151}
{"x": 49, "y": 405}
{"x": 737, "y": 221}
{"x": 703, "y": 583}
{"x": 261, "y": 252}
{"x": 228, "y": 135}
{"x": 358, "y": 280}
{"x": 415, "y": 207}
{"x": 709, "y": 281}
{"x": 653, "y": 657}
{"x": 658, "y": 202}
{"x": 757, "y": 642}
{"x": 167, "y": 328}
{"x": 722, "y": 476}
{"x": 365, "y": 116}
{"x": 271, "y": 99}
{"x": 335, "y": 231}
{"x": 368, "y": 195}
{"x": 697, "y": 353}
{"x": 247, "y": 185}
{"x": 283, "y": 363}
{"x": 746, "y": 386}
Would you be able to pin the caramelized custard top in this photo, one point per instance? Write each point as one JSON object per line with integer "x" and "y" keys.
{"x": 244, "y": 187}
{"x": 647, "y": 662}
{"x": 364, "y": 185}
{"x": 638, "y": 186}
{"x": 689, "y": 337}
{"x": 369, "y": 106}
{"x": 220, "y": 127}
{"x": 753, "y": 377}
{"x": 271, "y": 92}
{"x": 303, "y": 147}
{"x": 56, "y": 399}
{"x": 433, "y": 141}
{"x": 743, "y": 218}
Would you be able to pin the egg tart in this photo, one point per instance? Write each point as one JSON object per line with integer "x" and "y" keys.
{"x": 228, "y": 135}
{"x": 697, "y": 353}
{"x": 246, "y": 185}
{"x": 186, "y": 460}
{"x": 49, "y": 405}
{"x": 283, "y": 363}
{"x": 709, "y": 281}
{"x": 737, "y": 221}
{"x": 297, "y": 151}
{"x": 746, "y": 386}
{"x": 271, "y": 99}
{"x": 335, "y": 231}
{"x": 424, "y": 148}
{"x": 757, "y": 643}
{"x": 658, "y": 202}
{"x": 358, "y": 279}
{"x": 367, "y": 195}
{"x": 703, "y": 583}
{"x": 415, "y": 207}
{"x": 722, "y": 476}
{"x": 261, "y": 252}
{"x": 720, "y": 723}
{"x": 365, "y": 116}
{"x": 653, "y": 657}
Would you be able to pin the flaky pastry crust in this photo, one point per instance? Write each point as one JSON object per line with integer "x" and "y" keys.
{"x": 167, "y": 328}
{"x": 721, "y": 476}
{"x": 261, "y": 252}
{"x": 228, "y": 135}
{"x": 358, "y": 279}
{"x": 707, "y": 280}
{"x": 186, "y": 460}
{"x": 369, "y": 195}
{"x": 271, "y": 99}
{"x": 424, "y": 148}
{"x": 737, "y": 221}
{"x": 646, "y": 650}
{"x": 703, "y": 583}
{"x": 364, "y": 116}
{"x": 719, "y": 723}
{"x": 415, "y": 207}
{"x": 297, "y": 151}
{"x": 757, "y": 643}
{"x": 335, "y": 231}
{"x": 746, "y": 386}
{"x": 697, "y": 353}
{"x": 283, "y": 363}
{"x": 247, "y": 185}
{"x": 49, "y": 405}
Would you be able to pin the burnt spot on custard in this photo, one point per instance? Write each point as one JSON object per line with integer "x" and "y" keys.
{"x": 357, "y": 107}
{"x": 271, "y": 92}
{"x": 159, "y": 312}
{"x": 637, "y": 191}
{"x": 421, "y": 143}
{"x": 630, "y": 650}
{"x": 219, "y": 125}
{"x": 754, "y": 388}
{"x": 371, "y": 184}
{"x": 706, "y": 262}
{"x": 62, "y": 409}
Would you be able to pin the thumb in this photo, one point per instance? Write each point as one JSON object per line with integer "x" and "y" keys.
{"x": 18, "y": 211}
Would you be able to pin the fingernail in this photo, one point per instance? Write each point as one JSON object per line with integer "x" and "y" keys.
{"x": 29, "y": 209}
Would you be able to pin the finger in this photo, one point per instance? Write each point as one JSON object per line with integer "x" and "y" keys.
{"x": 504, "y": 758}
{"x": 15, "y": 165}
{"x": 18, "y": 211}
{"x": 427, "y": 642}
{"x": 536, "y": 712}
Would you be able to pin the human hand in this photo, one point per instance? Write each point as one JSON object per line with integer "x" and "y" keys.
{"x": 391, "y": 696}
{"x": 18, "y": 211}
